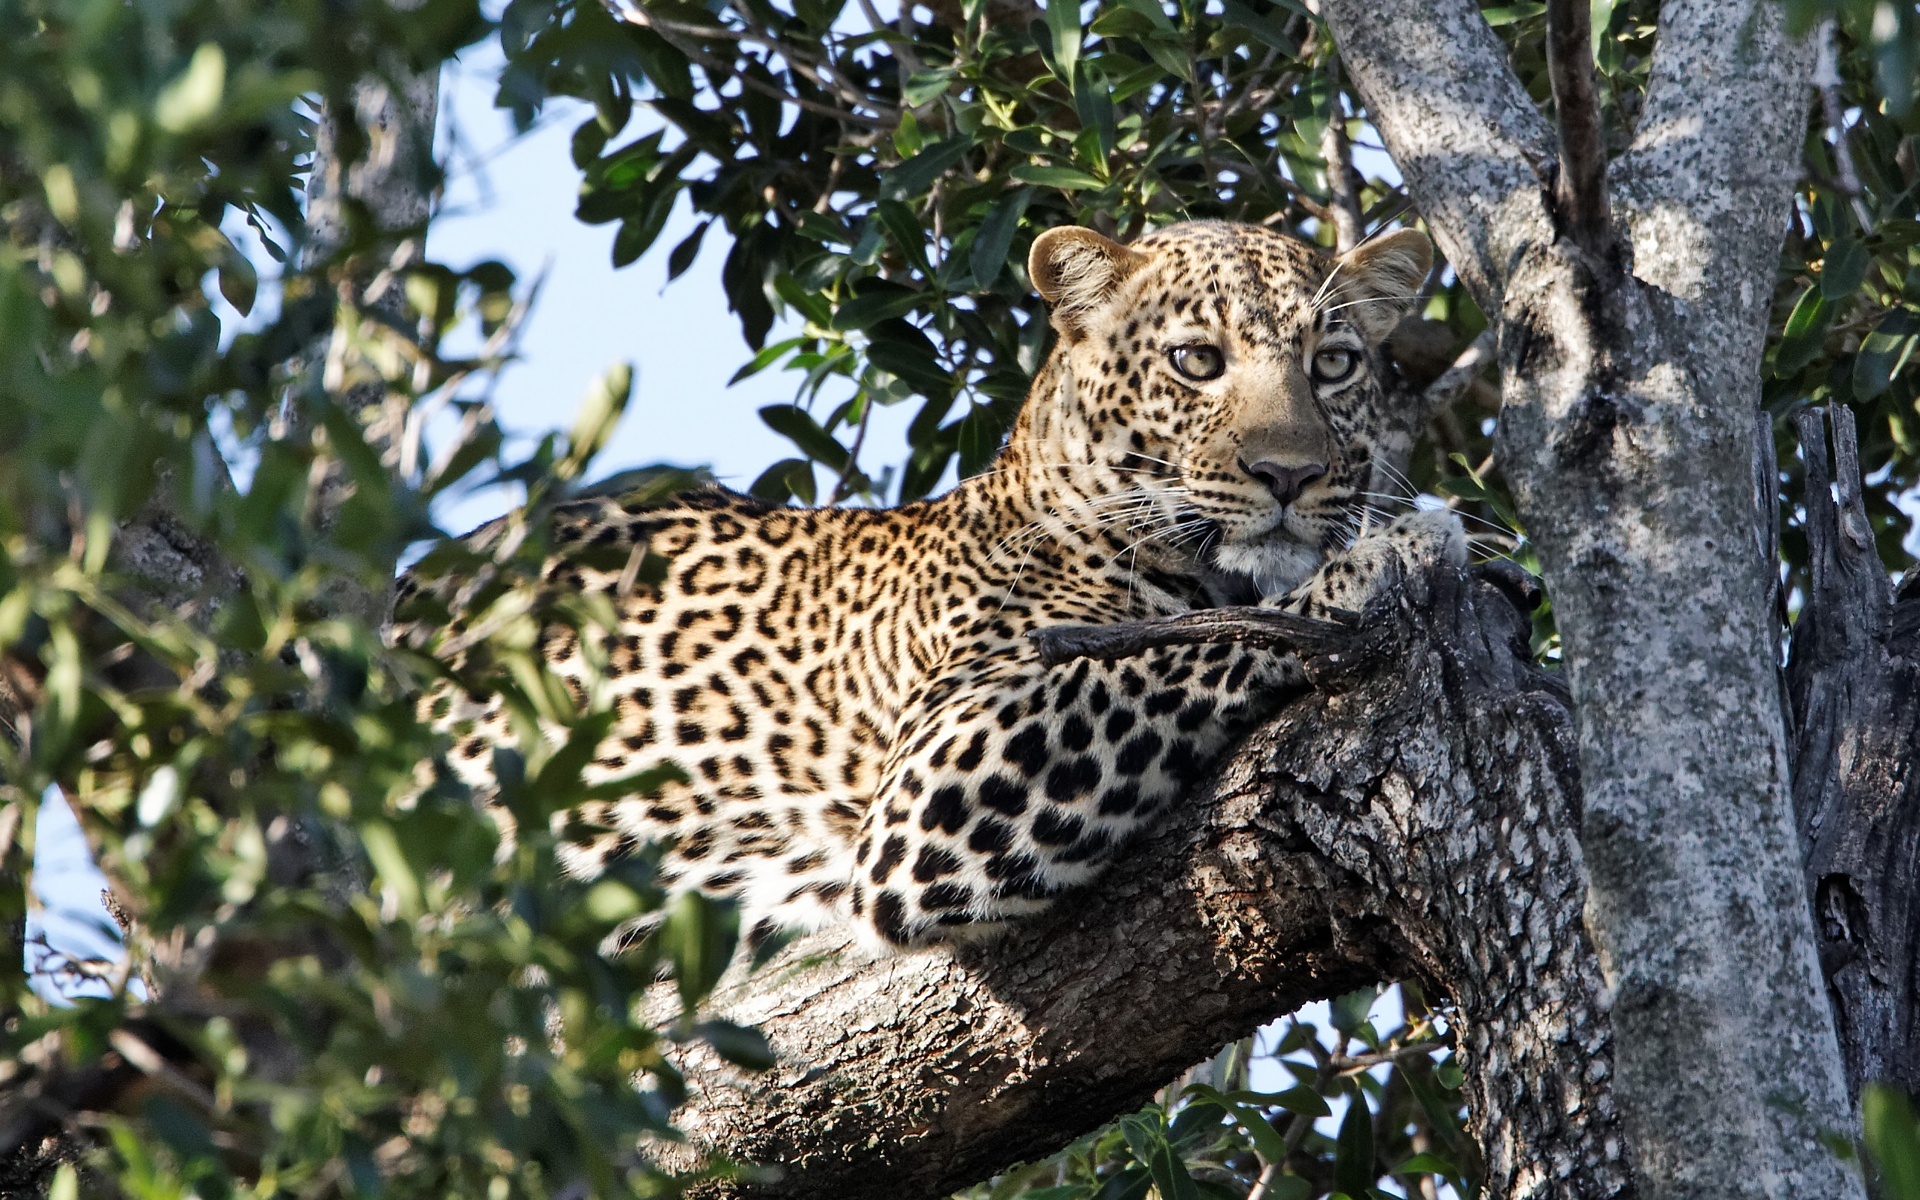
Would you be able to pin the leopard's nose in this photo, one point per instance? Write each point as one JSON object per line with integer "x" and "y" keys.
{"x": 1286, "y": 483}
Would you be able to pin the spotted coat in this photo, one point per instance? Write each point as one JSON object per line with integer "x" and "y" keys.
{"x": 866, "y": 730}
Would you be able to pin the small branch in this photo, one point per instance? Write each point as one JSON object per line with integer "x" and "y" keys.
{"x": 1826, "y": 80}
{"x": 1442, "y": 392}
{"x": 1342, "y": 184}
{"x": 1581, "y": 189}
{"x": 1265, "y": 627}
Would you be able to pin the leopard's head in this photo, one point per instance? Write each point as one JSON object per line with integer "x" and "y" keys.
{"x": 1219, "y": 384}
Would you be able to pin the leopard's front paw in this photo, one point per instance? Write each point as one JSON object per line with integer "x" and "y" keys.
{"x": 1426, "y": 538}
{"x": 1411, "y": 543}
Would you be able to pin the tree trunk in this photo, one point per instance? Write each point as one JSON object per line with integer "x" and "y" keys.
{"x": 1853, "y": 681}
{"x": 1630, "y": 359}
{"x": 1414, "y": 817}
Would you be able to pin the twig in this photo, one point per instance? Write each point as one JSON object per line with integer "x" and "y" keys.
{"x": 1264, "y": 627}
{"x": 1826, "y": 80}
{"x": 1581, "y": 189}
{"x": 1442, "y": 392}
{"x": 903, "y": 49}
{"x": 1342, "y": 186}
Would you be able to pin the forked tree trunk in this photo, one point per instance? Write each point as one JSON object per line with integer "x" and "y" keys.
{"x": 1632, "y": 328}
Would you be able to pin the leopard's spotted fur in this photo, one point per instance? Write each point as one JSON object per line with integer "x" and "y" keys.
{"x": 866, "y": 728}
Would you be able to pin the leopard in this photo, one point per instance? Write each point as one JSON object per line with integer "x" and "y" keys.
{"x": 865, "y": 732}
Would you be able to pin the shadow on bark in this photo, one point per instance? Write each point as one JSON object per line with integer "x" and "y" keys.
{"x": 1415, "y": 816}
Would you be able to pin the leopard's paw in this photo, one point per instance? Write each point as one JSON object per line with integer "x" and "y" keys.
{"x": 1411, "y": 543}
{"x": 1426, "y": 538}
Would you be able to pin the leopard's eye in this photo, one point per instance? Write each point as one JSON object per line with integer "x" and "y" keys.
{"x": 1332, "y": 364}
{"x": 1198, "y": 363}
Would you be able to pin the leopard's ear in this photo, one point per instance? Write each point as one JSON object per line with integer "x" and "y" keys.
{"x": 1372, "y": 284}
{"x": 1075, "y": 270}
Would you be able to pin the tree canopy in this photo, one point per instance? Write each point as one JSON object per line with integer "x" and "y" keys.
{"x": 199, "y": 525}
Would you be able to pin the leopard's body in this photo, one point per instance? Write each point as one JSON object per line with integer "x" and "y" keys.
{"x": 866, "y": 729}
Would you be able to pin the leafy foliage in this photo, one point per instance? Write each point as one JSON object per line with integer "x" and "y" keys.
{"x": 343, "y": 979}
{"x": 1399, "y": 1123}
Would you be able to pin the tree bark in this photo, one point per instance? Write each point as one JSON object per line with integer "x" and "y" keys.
{"x": 1627, "y": 433}
{"x": 1416, "y": 817}
{"x": 1853, "y": 680}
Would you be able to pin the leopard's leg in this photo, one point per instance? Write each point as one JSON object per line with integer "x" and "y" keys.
{"x": 1016, "y": 781}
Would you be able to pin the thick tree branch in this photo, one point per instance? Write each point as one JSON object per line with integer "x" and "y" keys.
{"x": 1461, "y": 128}
{"x": 1580, "y": 190}
{"x": 1419, "y": 821}
{"x": 1854, "y": 683}
{"x": 1705, "y": 185}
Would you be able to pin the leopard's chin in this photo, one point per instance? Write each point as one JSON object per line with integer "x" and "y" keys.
{"x": 1267, "y": 567}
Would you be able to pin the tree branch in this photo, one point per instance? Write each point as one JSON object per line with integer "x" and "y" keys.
{"x": 1461, "y": 128}
{"x": 1853, "y": 679}
{"x": 1264, "y": 627}
{"x": 1419, "y": 822}
{"x": 1580, "y": 190}
{"x": 1342, "y": 185}
{"x": 1705, "y": 185}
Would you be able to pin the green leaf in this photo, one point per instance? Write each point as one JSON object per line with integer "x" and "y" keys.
{"x": 924, "y": 87}
{"x": 683, "y": 255}
{"x": 1132, "y": 1183}
{"x": 878, "y": 301}
{"x": 1063, "y": 24}
{"x": 1600, "y": 15}
{"x": 766, "y": 358}
{"x": 901, "y": 350}
{"x": 1148, "y": 1141}
{"x": 1346, "y": 1012}
{"x": 1805, "y": 332}
{"x": 383, "y": 850}
{"x": 1302, "y": 1100}
{"x": 995, "y": 239}
{"x": 1844, "y": 270}
{"x": 698, "y": 937}
{"x": 797, "y": 425}
{"x": 783, "y": 480}
{"x": 916, "y": 175}
{"x": 1885, "y": 352}
{"x": 193, "y": 99}
{"x": 1067, "y": 179}
{"x": 1260, "y": 1131}
{"x": 907, "y": 139}
{"x": 1508, "y": 14}
{"x": 600, "y": 412}
{"x": 1270, "y": 31}
{"x": 1353, "y": 1166}
{"x": 239, "y": 283}
{"x": 1426, "y": 1164}
{"x": 1893, "y": 1140}
{"x": 1290, "y": 1187}
{"x": 979, "y": 440}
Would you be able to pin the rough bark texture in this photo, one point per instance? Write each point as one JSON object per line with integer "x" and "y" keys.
{"x": 1854, "y": 683}
{"x": 1415, "y": 816}
{"x": 1630, "y": 400}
